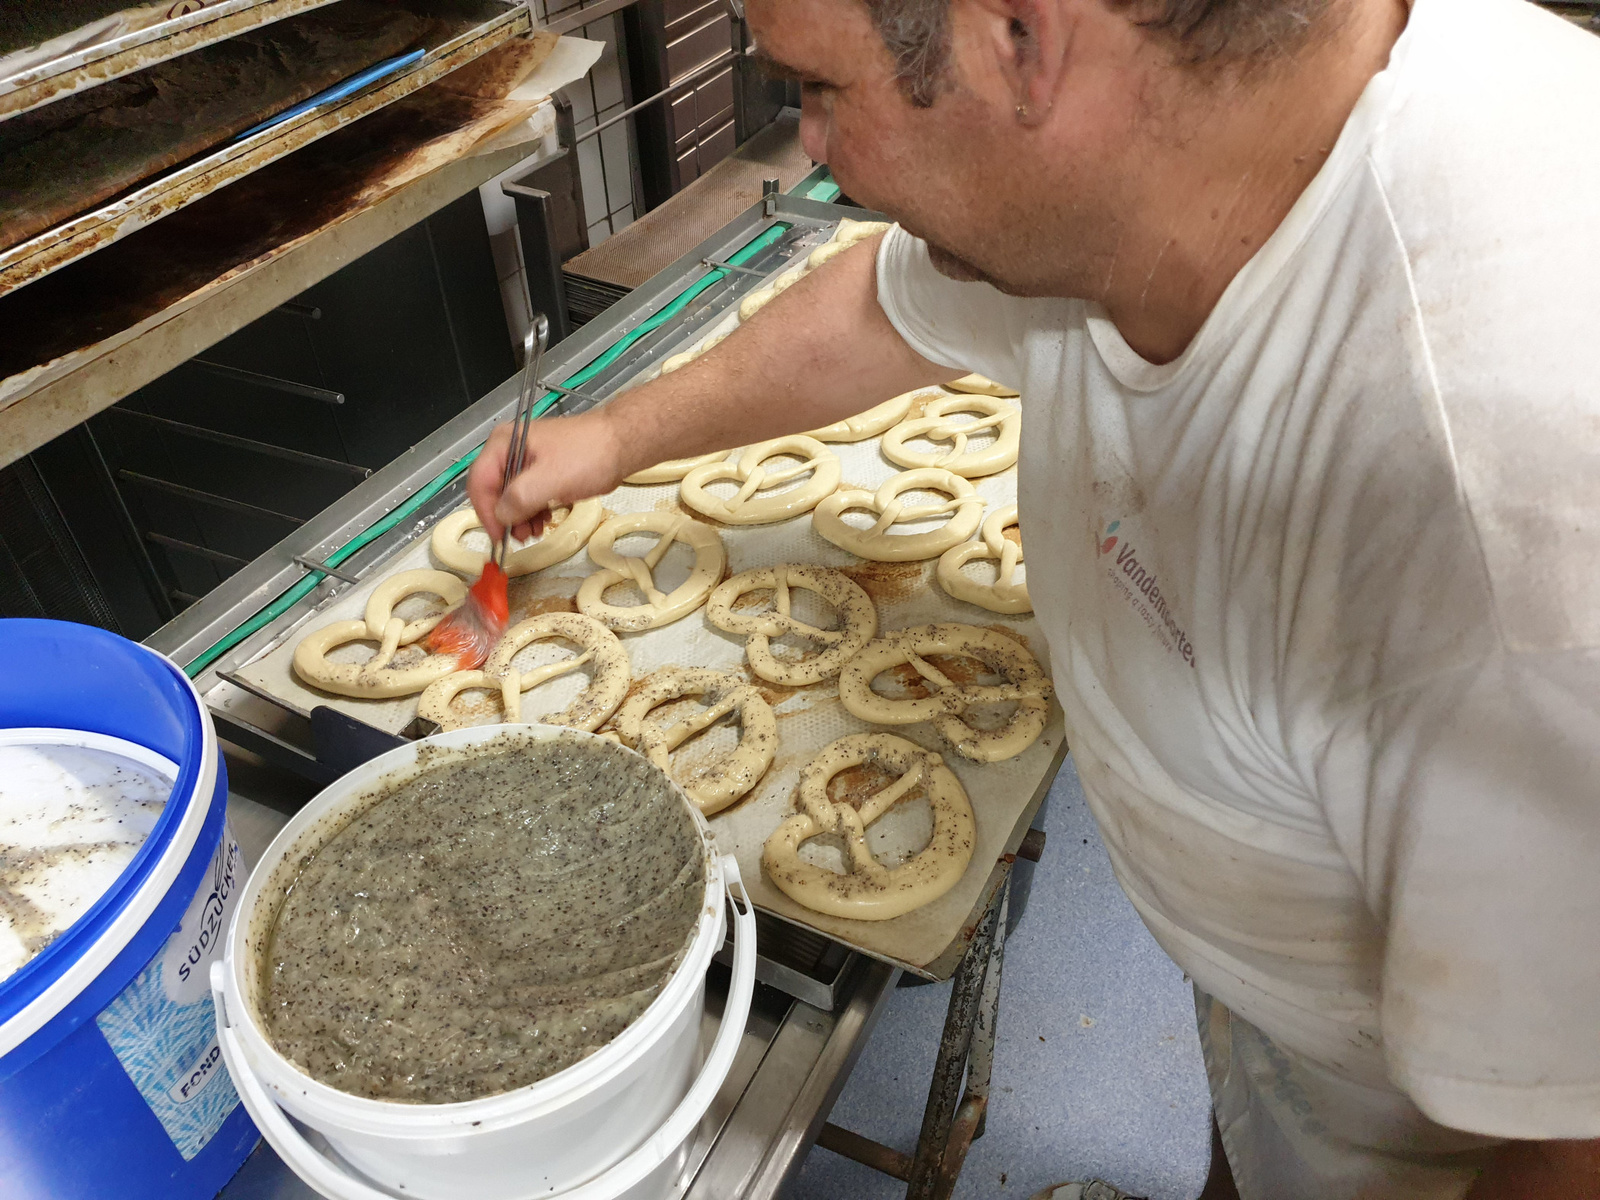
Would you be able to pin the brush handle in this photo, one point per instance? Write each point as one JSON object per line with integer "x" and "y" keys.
{"x": 533, "y": 347}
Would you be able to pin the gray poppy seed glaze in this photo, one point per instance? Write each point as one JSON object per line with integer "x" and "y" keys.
{"x": 489, "y": 922}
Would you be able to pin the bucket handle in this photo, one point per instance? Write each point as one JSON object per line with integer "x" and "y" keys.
{"x": 317, "y": 1171}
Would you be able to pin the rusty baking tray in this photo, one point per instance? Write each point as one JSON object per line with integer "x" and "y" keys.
{"x": 497, "y": 24}
{"x": 85, "y": 67}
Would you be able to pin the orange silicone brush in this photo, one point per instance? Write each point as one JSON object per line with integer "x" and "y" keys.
{"x": 472, "y": 630}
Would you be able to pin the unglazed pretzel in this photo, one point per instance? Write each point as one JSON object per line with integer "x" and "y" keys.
{"x": 561, "y": 540}
{"x": 870, "y": 423}
{"x": 878, "y": 543}
{"x": 749, "y": 507}
{"x": 1006, "y": 594}
{"x": 588, "y": 712}
{"x": 679, "y": 361}
{"x": 1025, "y": 683}
{"x": 673, "y": 469}
{"x": 977, "y": 385}
{"x": 714, "y": 787}
{"x": 858, "y": 618}
{"x": 373, "y": 679}
{"x": 710, "y": 559}
{"x": 761, "y": 297}
{"x": 936, "y": 426}
{"x": 422, "y": 582}
{"x": 847, "y": 235}
{"x": 871, "y": 891}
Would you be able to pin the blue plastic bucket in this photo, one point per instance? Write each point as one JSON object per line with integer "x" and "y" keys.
{"x": 111, "y": 1078}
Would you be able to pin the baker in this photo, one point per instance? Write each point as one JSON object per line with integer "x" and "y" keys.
{"x": 1302, "y": 298}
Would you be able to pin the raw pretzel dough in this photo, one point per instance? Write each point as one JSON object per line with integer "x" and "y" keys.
{"x": 880, "y": 545}
{"x": 857, "y": 617}
{"x": 847, "y": 235}
{"x": 749, "y": 506}
{"x": 560, "y": 541}
{"x": 679, "y": 361}
{"x": 977, "y": 385}
{"x": 373, "y": 679}
{"x": 936, "y": 425}
{"x": 673, "y": 469}
{"x": 422, "y": 582}
{"x": 870, "y": 423}
{"x": 714, "y": 787}
{"x": 588, "y": 712}
{"x": 710, "y": 560}
{"x": 1006, "y": 594}
{"x": 871, "y": 891}
{"x": 1005, "y": 656}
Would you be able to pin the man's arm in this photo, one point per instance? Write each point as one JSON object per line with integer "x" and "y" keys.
{"x": 820, "y": 352}
{"x": 1541, "y": 1171}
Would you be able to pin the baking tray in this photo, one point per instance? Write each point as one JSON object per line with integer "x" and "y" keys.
{"x": 85, "y": 60}
{"x": 809, "y": 718}
{"x": 493, "y": 24}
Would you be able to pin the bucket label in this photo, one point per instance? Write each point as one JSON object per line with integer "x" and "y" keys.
{"x": 163, "y": 1028}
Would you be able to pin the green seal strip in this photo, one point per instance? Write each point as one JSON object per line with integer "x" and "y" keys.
{"x": 308, "y": 584}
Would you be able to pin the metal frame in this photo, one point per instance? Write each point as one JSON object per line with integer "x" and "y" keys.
{"x": 166, "y": 194}
{"x": 81, "y": 69}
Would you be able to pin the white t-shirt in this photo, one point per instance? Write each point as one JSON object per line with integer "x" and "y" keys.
{"x": 1323, "y": 595}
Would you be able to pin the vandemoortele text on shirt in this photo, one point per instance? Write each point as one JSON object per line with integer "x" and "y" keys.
{"x": 1323, "y": 594}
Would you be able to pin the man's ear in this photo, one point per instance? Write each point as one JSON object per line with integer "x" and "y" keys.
{"x": 1031, "y": 40}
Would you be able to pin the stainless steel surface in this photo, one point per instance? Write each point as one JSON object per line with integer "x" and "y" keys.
{"x": 533, "y": 348}
{"x": 573, "y": 21}
{"x": 312, "y": 564}
{"x": 687, "y": 81}
{"x": 167, "y": 193}
{"x": 82, "y": 68}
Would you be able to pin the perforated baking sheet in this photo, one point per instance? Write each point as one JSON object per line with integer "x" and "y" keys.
{"x": 905, "y": 594}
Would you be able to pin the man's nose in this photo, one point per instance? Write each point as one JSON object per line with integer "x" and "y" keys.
{"x": 813, "y": 128}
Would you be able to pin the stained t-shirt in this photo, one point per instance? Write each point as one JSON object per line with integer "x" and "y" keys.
{"x": 1323, "y": 594}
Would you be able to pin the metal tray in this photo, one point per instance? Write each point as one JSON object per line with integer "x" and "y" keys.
{"x": 496, "y": 24}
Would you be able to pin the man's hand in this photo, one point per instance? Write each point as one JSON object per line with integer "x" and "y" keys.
{"x": 567, "y": 459}
{"x": 1541, "y": 1171}
{"x": 822, "y": 351}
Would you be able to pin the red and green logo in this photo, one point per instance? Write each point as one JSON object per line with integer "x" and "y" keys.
{"x": 1110, "y": 542}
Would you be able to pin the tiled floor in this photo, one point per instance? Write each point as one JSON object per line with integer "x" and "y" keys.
{"x": 1098, "y": 1070}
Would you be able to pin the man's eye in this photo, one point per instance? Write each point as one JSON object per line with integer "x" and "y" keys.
{"x": 812, "y": 87}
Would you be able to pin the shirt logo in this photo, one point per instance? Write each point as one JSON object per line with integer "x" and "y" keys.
{"x": 1136, "y": 582}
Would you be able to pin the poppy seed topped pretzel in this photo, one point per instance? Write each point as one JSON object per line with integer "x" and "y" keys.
{"x": 1024, "y": 683}
{"x": 877, "y": 543}
{"x": 857, "y": 617}
{"x": 589, "y": 711}
{"x": 871, "y": 891}
{"x": 750, "y": 506}
{"x": 715, "y": 786}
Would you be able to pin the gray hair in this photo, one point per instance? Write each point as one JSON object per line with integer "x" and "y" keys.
{"x": 1219, "y": 32}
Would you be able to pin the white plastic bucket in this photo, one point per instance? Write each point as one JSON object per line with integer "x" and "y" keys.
{"x": 614, "y": 1125}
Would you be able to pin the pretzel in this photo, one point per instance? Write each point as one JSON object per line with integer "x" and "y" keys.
{"x": 878, "y": 543}
{"x": 847, "y": 235}
{"x": 710, "y": 559}
{"x": 374, "y": 679}
{"x": 714, "y": 787}
{"x": 749, "y": 506}
{"x": 871, "y": 891}
{"x": 1006, "y": 594}
{"x": 1025, "y": 683}
{"x": 565, "y": 537}
{"x": 761, "y": 297}
{"x": 977, "y": 385}
{"x": 679, "y": 361}
{"x": 588, "y": 712}
{"x": 856, "y": 614}
{"x": 388, "y": 594}
{"x": 936, "y": 426}
{"x": 673, "y": 469}
{"x": 868, "y": 424}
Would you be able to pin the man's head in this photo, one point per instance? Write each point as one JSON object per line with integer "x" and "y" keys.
{"x": 1021, "y": 137}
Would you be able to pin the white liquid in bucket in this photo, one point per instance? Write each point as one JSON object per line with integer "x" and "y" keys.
{"x": 71, "y": 820}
